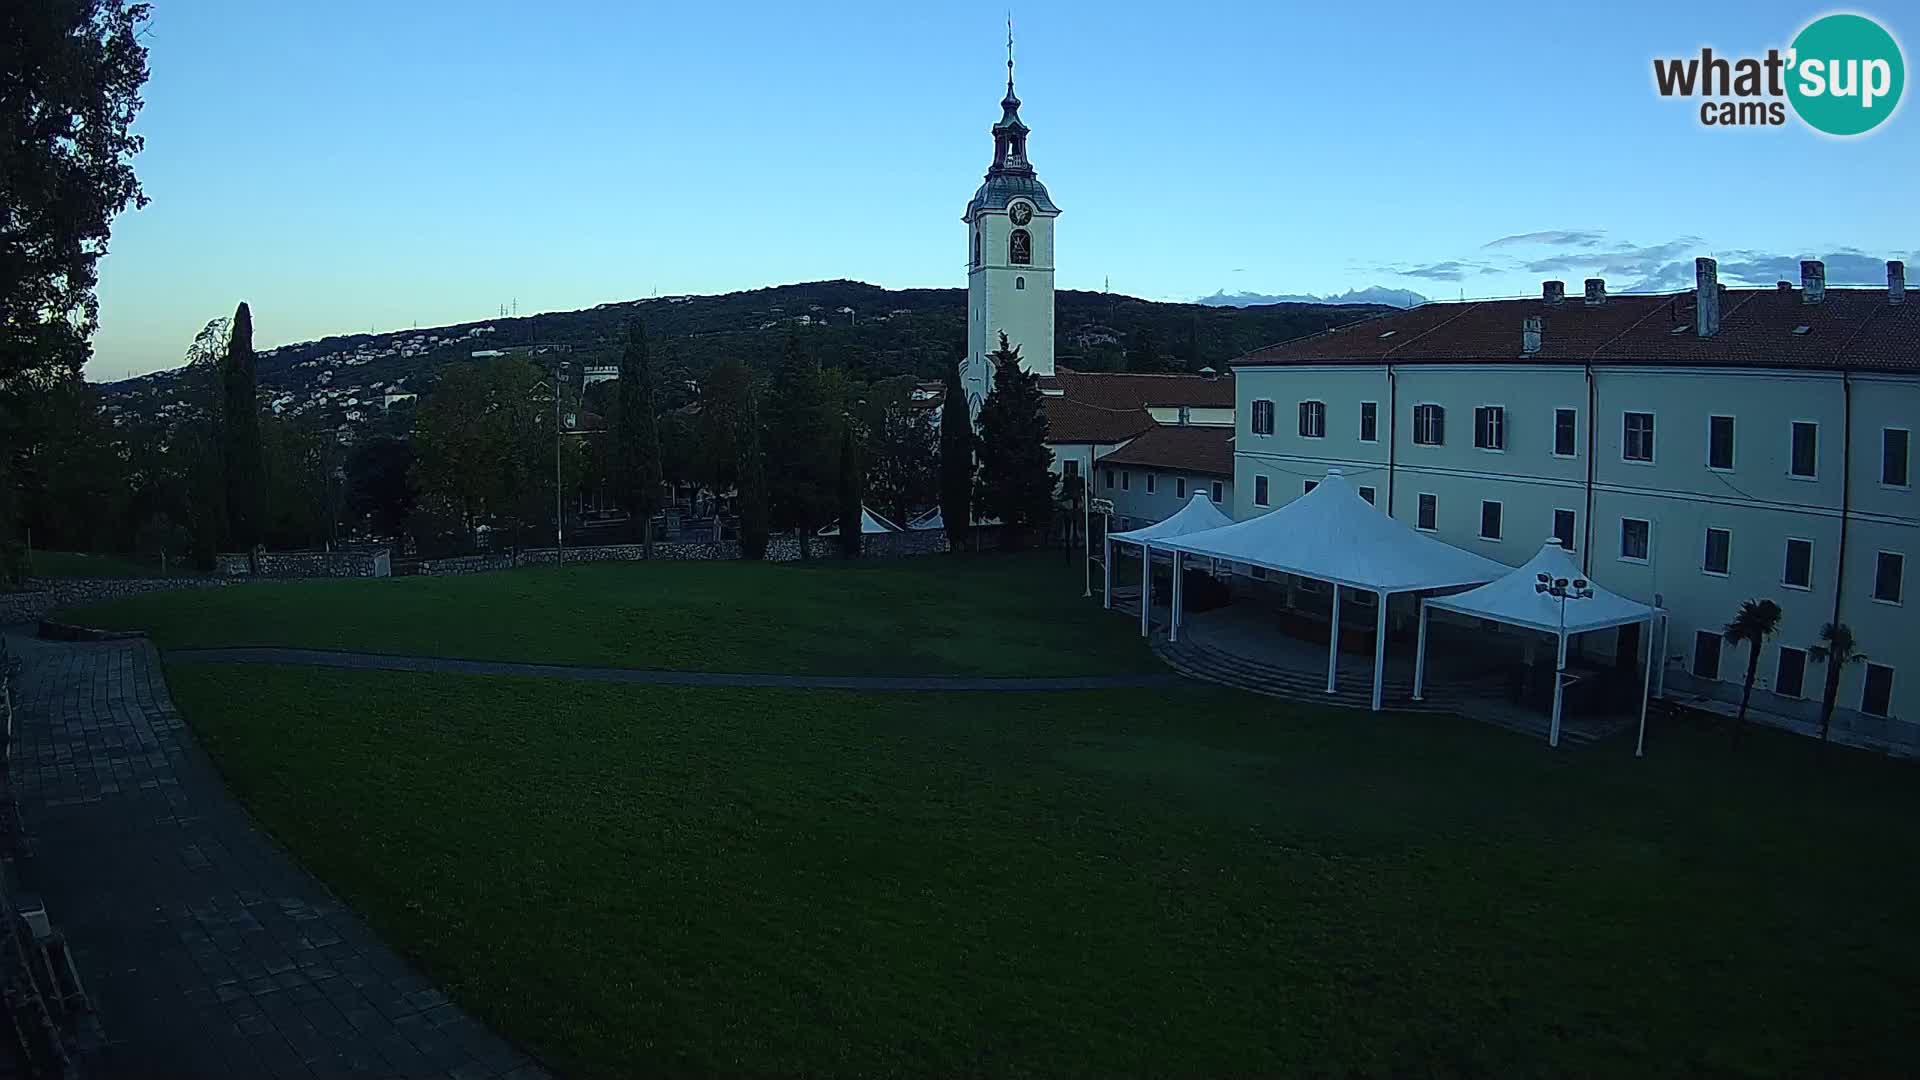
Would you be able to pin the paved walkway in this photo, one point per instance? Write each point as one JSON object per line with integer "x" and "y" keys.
{"x": 206, "y": 949}
{"x": 383, "y": 662}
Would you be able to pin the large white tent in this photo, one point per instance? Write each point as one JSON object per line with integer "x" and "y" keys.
{"x": 1199, "y": 515}
{"x": 871, "y": 524}
{"x": 1331, "y": 534}
{"x": 1525, "y": 598}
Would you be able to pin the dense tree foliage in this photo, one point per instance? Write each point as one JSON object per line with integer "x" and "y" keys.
{"x": 636, "y": 432}
{"x": 902, "y": 452}
{"x": 241, "y": 453}
{"x": 956, "y": 461}
{"x": 380, "y": 488}
{"x": 850, "y": 492}
{"x": 1015, "y": 483}
{"x": 485, "y": 441}
{"x": 801, "y": 428}
{"x": 751, "y": 502}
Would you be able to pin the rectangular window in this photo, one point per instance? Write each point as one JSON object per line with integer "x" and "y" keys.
{"x": 1307, "y": 488}
{"x": 1893, "y": 456}
{"x": 1367, "y": 494}
{"x": 1109, "y": 478}
{"x": 1888, "y": 570}
{"x": 1563, "y": 432}
{"x": 1070, "y": 468}
{"x": 1720, "y": 443}
{"x": 1706, "y": 654}
{"x": 1313, "y": 419}
{"x": 1429, "y": 425}
{"x": 1179, "y": 487}
{"x": 1563, "y": 528}
{"x": 1126, "y": 479}
{"x": 1489, "y": 520}
{"x": 1259, "y": 491}
{"x": 1719, "y": 552}
{"x": 1876, "y": 697}
{"x": 1263, "y": 417}
{"x": 1218, "y": 498}
{"x": 1790, "y": 677}
{"x": 1799, "y": 568}
{"x": 1429, "y": 512}
{"x": 1806, "y": 448}
{"x": 1636, "y": 535}
{"x": 1490, "y": 427}
{"x": 1369, "y": 421}
{"x": 1150, "y": 478}
{"x": 1637, "y": 437}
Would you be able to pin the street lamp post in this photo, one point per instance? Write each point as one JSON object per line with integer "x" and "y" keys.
{"x": 1560, "y": 589}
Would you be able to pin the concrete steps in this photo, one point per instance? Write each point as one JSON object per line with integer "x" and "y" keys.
{"x": 1198, "y": 661}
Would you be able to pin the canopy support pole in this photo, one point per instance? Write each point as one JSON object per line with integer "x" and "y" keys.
{"x": 1559, "y": 684}
{"x": 1146, "y": 589}
{"x": 1420, "y": 653}
{"x": 1379, "y": 644}
{"x": 1646, "y": 688}
{"x": 1173, "y": 618}
{"x": 1106, "y": 568}
{"x": 1333, "y": 641}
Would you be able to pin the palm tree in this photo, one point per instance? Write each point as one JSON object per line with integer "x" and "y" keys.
{"x": 1756, "y": 622}
{"x": 1836, "y": 651}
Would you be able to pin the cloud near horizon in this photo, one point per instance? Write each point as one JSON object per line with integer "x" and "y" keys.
{"x": 1550, "y": 238}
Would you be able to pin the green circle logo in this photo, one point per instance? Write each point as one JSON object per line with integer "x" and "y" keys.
{"x": 1847, "y": 74}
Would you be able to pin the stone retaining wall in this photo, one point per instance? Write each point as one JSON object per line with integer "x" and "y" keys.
{"x": 896, "y": 545}
{"x": 308, "y": 564}
{"x": 46, "y": 594}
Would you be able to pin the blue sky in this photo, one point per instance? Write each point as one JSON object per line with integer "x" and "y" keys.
{"x": 359, "y": 165}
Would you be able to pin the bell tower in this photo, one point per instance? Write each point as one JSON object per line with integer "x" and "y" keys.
{"x": 1009, "y": 256}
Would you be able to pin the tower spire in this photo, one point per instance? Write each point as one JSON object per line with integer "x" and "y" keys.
{"x": 1010, "y": 56}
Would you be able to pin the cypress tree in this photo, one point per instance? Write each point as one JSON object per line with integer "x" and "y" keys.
{"x": 1016, "y": 478}
{"x": 956, "y": 462}
{"x": 636, "y": 464}
{"x": 799, "y": 445}
{"x": 850, "y": 509}
{"x": 240, "y": 442}
{"x": 750, "y": 498}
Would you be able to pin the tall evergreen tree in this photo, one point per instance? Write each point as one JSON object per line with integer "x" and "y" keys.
{"x": 1016, "y": 479}
{"x": 800, "y": 445}
{"x": 750, "y": 499}
{"x": 240, "y": 437}
{"x": 850, "y": 508}
{"x": 636, "y": 465}
{"x": 956, "y": 462}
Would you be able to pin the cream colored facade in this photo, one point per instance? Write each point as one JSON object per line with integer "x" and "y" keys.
{"x": 1005, "y": 297}
{"x": 1757, "y": 506}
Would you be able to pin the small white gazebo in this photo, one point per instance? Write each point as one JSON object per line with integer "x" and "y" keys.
{"x": 1197, "y": 516}
{"x": 1331, "y": 534}
{"x": 1549, "y": 594}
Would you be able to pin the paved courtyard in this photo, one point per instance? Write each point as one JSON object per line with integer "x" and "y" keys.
{"x": 206, "y": 949}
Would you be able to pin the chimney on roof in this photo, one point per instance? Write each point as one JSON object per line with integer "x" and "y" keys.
{"x": 1596, "y": 291}
{"x": 1530, "y": 335}
{"x": 1813, "y": 281}
{"x": 1553, "y": 292}
{"x": 1896, "y": 282}
{"x": 1706, "y": 297}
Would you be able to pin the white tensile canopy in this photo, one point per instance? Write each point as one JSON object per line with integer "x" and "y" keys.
{"x": 1525, "y": 598}
{"x": 870, "y": 524}
{"x": 1198, "y": 515}
{"x": 1331, "y": 534}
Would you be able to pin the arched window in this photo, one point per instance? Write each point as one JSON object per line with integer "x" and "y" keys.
{"x": 1020, "y": 248}
{"x": 976, "y": 247}
{"x": 1019, "y": 283}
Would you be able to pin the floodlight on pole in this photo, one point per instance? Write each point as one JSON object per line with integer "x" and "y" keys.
{"x": 1560, "y": 589}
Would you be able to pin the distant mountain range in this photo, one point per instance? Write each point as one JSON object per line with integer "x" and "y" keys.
{"x": 1372, "y": 294}
{"x": 341, "y": 382}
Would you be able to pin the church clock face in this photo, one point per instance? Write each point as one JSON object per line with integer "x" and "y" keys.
{"x": 1021, "y": 213}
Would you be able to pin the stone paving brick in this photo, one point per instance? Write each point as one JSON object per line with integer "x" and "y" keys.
{"x": 207, "y": 950}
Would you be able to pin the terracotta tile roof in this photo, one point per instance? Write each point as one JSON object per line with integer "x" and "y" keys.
{"x": 1855, "y": 329}
{"x": 1125, "y": 390}
{"x": 1191, "y": 448}
{"x": 1071, "y": 421}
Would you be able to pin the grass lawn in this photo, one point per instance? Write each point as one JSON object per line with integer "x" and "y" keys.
{"x": 1189, "y": 881}
{"x": 966, "y": 615}
{"x": 76, "y": 564}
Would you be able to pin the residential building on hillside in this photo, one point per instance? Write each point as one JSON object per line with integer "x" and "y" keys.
{"x": 1694, "y": 450}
